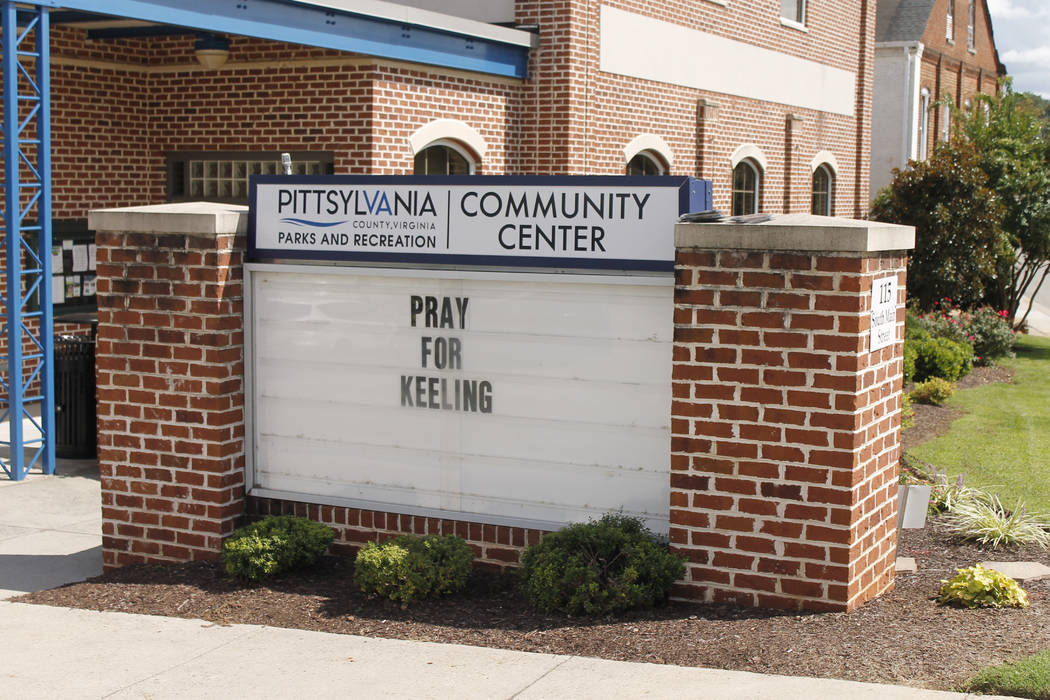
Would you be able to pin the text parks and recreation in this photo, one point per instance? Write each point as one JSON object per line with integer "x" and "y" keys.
{"x": 329, "y": 219}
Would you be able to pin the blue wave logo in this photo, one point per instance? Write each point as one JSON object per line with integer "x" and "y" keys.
{"x": 307, "y": 222}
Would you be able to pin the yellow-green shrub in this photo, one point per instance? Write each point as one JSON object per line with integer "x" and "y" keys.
{"x": 934, "y": 391}
{"x": 980, "y": 587}
{"x": 273, "y": 545}
{"x": 409, "y": 568}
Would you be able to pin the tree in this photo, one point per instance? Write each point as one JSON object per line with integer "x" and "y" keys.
{"x": 1011, "y": 137}
{"x": 957, "y": 220}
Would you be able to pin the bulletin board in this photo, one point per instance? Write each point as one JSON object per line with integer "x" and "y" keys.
{"x": 73, "y": 272}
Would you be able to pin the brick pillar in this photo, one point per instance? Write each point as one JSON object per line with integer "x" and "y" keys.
{"x": 785, "y": 428}
{"x": 170, "y": 365}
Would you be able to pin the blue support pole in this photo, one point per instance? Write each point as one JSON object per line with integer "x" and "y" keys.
{"x": 27, "y": 235}
{"x": 47, "y": 331}
{"x": 12, "y": 244}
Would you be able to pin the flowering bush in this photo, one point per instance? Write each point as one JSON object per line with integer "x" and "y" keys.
{"x": 990, "y": 332}
{"x": 986, "y": 330}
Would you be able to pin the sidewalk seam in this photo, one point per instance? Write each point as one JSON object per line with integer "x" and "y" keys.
{"x": 546, "y": 673}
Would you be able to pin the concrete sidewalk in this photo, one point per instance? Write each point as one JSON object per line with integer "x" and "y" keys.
{"x": 1038, "y": 319}
{"x": 50, "y": 528}
{"x": 57, "y": 652}
{"x": 50, "y": 534}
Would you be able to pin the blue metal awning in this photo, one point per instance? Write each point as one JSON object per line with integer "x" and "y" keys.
{"x": 369, "y": 27}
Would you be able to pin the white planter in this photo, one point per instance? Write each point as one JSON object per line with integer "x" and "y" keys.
{"x": 912, "y": 503}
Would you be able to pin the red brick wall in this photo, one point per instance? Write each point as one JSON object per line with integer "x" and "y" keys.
{"x": 170, "y": 371}
{"x": 785, "y": 430}
{"x": 983, "y": 57}
{"x": 951, "y": 69}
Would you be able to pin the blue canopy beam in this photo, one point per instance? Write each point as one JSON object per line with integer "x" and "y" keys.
{"x": 461, "y": 44}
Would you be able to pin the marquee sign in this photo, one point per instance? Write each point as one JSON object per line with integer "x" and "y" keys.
{"x": 601, "y": 222}
{"x": 533, "y": 400}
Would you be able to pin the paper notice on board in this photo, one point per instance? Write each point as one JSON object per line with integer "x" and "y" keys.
{"x": 92, "y": 250}
{"x": 72, "y": 286}
{"x": 89, "y": 285}
{"x": 56, "y": 259}
{"x": 58, "y": 289}
{"x": 80, "y": 257}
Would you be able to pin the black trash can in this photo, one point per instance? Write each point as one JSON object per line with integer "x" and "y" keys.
{"x": 76, "y": 430}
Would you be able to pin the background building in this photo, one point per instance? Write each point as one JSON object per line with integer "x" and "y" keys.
{"x": 925, "y": 51}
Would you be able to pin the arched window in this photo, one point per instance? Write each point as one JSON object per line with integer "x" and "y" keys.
{"x": 648, "y": 154}
{"x": 823, "y": 190}
{"x": 443, "y": 158}
{"x": 646, "y": 163}
{"x": 747, "y": 181}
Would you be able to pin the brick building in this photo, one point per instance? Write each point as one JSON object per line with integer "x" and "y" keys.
{"x": 926, "y": 51}
{"x": 771, "y": 103}
{"x": 695, "y": 88}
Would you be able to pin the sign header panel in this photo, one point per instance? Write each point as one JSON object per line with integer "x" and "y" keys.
{"x": 613, "y": 223}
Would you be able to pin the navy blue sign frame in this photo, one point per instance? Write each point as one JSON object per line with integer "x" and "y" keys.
{"x": 694, "y": 195}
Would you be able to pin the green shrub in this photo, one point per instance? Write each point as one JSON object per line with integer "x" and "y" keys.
{"x": 409, "y": 568}
{"x": 941, "y": 357}
{"x": 273, "y": 545}
{"x": 957, "y": 220}
{"x": 910, "y": 355}
{"x": 599, "y": 567}
{"x": 978, "y": 587}
{"x": 934, "y": 391}
{"x": 983, "y": 519}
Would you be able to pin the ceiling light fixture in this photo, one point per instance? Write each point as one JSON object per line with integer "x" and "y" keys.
{"x": 212, "y": 51}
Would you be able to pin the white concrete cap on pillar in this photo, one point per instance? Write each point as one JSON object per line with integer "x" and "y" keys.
{"x": 180, "y": 217}
{"x": 798, "y": 233}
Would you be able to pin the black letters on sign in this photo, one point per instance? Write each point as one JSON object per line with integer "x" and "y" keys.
{"x": 442, "y": 352}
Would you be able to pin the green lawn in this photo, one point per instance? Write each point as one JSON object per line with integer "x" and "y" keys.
{"x": 1002, "y": 444}
{"x": 1027, "y": 678}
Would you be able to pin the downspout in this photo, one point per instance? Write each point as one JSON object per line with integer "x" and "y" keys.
{"x": 912, "y": 79}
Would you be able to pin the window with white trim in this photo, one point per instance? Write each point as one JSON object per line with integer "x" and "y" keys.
{"x": 646, "y": 163}
{"x": 443, "y": 158}
{"x": 822, "y": 202}
{"x": 793, "y": 10}
{"x": 949, "y": 22}
{"x": 747, "y": 183}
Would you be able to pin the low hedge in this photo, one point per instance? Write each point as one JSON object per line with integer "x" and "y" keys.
{"x": 274, "y": 545}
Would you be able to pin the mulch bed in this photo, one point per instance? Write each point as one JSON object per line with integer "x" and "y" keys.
{"x": 904, "y": 637}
